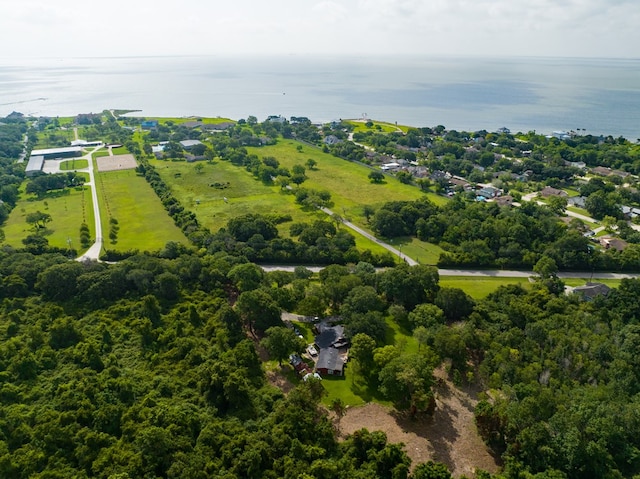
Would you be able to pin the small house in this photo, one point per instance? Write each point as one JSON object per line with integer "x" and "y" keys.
{"x": 590, "y": 291}
{"x": 548, "y": 191}
{"x": 330, "y": 362}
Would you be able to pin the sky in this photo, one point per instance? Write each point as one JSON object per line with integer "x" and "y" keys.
{"x": 81, "y": 28}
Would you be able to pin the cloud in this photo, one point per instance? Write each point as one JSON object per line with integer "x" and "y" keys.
{"x": 349, "y": 27}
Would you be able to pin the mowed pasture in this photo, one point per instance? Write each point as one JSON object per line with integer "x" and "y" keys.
{"x": 243, "y": 192}
{"x": 348, "y": 182}
{"x": 75, "y": 164}
{"x": 68, "y": 209}
{"x": 143, "y": 222}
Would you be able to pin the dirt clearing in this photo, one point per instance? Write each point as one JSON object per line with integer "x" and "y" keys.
{"x": 450, "y": 436}
{"x": 116, "y": 162}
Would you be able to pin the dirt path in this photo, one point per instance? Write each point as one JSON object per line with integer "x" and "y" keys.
{"x": 449, "y": 437}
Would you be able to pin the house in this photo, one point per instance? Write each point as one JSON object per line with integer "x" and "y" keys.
{"x": 332, "y": 348}
{"x": 331, "y": 140}
{"x": 548, "y": 191}
{"x": 488, "y": 192}
{"x": 328, "y": 335}
{"x": 276, "y": 119}
{"x": 561, "y": 135}
{"x": 591, "y": 291}
{"x": 601, "y": 171}
{"x": 330, "y": 362}
{"x": 577, "y": 201}
{"x": 188, "y": 144}
{"x": 225, "y": 125}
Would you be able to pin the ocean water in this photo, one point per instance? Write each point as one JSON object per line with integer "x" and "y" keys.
{"x": 594, "y": 96}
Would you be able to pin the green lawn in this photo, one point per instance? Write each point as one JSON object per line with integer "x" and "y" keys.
{"x": 573, "y": 282}
{"x": 120, "y": 150}
{"x": 480, "y": 287}
{"x": 385, "y": 127}
{"x": 144, "y": 223}
{"x": 244, "y": 193}
{"x": 68, "y": 208}
{"x": 75, "y": 164}
{"x": 100, "y": 153}
{"x": 421, "y": 251}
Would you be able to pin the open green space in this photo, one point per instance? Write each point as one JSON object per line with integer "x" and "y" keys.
{"x": 244, "y": 194}
{"x": 121, "y": 150}
{"x": 421, "y": 251}
{"x": 143, "y": 222}
{"x": 378, "y": 126}
{"x": 573, "y": 282}
{"x": 480, "y": 287}
{"x": 75, "y": 164}
{"x": 100, "y": 153}
{"x": 347, "y": 182}
{"x": 68, "y": 209}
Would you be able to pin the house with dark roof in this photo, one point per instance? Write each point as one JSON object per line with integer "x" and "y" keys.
{"x": 330, "y": 362}
{"x": 590, "y": 291}
{"x": 332, "y": 347}
{"x": 548, "y": 191}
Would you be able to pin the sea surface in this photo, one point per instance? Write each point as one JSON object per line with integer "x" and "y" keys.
{"x": 590, "y": 96}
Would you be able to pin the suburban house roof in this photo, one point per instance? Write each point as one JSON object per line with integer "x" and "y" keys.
{"x": 190, "y": 143}
{"x": 550, "y": 191}
{"x": 592, "y": 290}
{"x": 330, "y": 359}
{"x": 329, "y": 335}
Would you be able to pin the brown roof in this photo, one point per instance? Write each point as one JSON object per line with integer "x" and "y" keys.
{"x": 549, "y": 191}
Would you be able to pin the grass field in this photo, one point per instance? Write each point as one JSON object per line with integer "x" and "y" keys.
{"x": 75, "y": 164}
{"x": 573, "y": 282}
{"x": 385, "y": 127}
{"x": 348, "y": 182}
{"x": 68, "y": 209}
{"x": 144, "y": 223}
{"x": 479, "y": 288}
{"x": 421, "y": 251}
{"x": 244, "y": 195}
{"x": 100, "y": 153}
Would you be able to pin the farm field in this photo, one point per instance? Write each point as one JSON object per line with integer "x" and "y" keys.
{"x": 144, "y": 223}
{"x": 68, "y": 209}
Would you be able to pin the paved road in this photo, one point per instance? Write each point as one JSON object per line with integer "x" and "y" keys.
{"x": 478, "y": 273}
{"x": 388, "y": 247}
{"x": 93, "y": 253}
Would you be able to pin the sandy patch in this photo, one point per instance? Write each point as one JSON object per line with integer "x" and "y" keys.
{"x": 116, "y": 162}
{"x": 450, "y": 436}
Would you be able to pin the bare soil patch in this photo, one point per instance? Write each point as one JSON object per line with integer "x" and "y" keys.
{"x": 116, "y": 162}
{"x": 450, "y": 436}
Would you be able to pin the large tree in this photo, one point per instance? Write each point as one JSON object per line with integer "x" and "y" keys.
{"x": 281, "y": 341}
